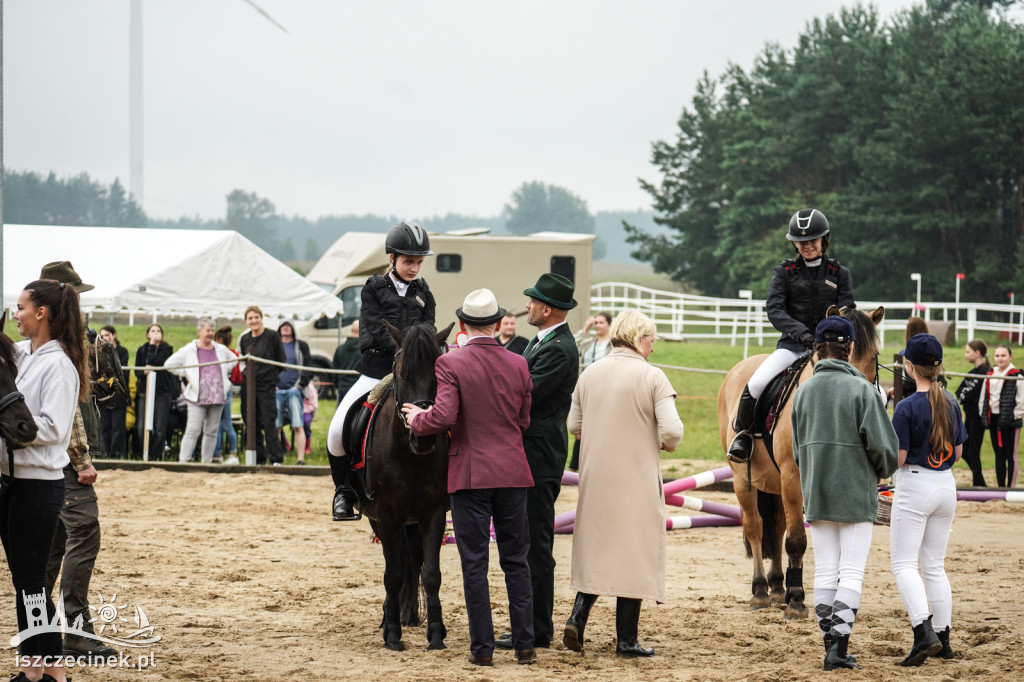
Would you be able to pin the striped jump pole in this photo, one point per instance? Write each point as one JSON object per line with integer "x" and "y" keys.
{"x": 697, "y": 504}
{"x": 678, "y": 523}
{"x": 987, "y": 495}
{"x": 698, "y": 480}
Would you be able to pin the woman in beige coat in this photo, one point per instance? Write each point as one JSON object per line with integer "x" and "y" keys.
{"x": 624, "y": 412}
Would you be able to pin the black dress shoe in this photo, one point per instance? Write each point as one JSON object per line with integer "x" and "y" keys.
{"x": 504, "y": 641}
{"x": 481, "y": 660}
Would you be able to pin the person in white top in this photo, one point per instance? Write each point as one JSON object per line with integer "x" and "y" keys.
{"x": 52, "y": 376}
{"x": 1001, "y": 406}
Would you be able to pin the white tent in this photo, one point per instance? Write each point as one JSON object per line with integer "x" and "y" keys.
{"x": 211, "y": 273}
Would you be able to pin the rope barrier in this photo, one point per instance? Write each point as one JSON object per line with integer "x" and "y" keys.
{"x": 245, "y": 358}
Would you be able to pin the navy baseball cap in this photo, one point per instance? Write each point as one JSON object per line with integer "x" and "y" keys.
{"x": 836, "y": 329}
{"x": 923, "y": 349}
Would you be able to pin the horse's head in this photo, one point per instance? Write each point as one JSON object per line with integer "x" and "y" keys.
{"x": 419, "y": 347}
{"x": 17, "y": 426}
{"x": 865, "y": 348}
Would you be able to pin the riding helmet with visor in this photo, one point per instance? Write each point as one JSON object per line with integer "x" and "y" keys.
{"x": 409, "y": 239}
{"x": 807, "y": 224}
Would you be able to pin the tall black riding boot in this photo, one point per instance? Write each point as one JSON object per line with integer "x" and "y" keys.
{"x": 926, "y": 643}
{"x": 342, "y": 507}
{"x": 743, "y": 444}
{"x": 572, "y": 638}
{"x": 627, "y": 625}
{"x": 946, "y": 651}
{"x": 837, "y": 657}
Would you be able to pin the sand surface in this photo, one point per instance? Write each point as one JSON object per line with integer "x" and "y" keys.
{"x": 245, "y": 577}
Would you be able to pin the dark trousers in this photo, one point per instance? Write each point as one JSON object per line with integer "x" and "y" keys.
{"x": 268, "y": 445}
{"x": 75, "y": 544}
{"x": 540, "y": 511}
{"x": 1004, "y": 443}
{"x": 161, "y": 413}
{"x": 472, "y": 511}
{"x": 972, "y": 448}
{"x": 113, "y": 434}
{"x": 29, "y": 510}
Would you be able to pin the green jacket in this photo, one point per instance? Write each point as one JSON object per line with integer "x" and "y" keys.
{"x": 553, "y": 365}
{"x": 843, "y": 443}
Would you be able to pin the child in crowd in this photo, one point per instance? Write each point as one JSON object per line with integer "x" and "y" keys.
{"x": 1001, "y": 405}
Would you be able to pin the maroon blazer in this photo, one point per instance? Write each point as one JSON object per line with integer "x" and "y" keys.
{"x": 483, "y": 393}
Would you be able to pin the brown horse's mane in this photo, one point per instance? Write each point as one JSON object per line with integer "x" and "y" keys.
{"x": 866, "y": 344}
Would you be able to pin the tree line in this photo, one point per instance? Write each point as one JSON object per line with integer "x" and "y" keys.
{"x": 908, "y": 134}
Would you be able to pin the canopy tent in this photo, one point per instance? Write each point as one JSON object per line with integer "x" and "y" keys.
{"x": 201, "y": 273}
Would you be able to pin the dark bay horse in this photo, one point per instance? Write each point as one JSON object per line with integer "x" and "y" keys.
{"x": 770, "y": 497}
{"x": 17, "y": 426}
{"x": 409, "y": 481}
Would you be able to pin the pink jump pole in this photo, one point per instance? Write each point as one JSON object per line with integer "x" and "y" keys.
{"x": 986, "y": 495}
{"x": 570, "y": 478}
{"x": 679, "y": 522}
{"x": 697, "y": 504}
{"x": 698, "y": 480}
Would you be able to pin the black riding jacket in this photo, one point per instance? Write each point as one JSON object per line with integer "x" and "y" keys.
{"x": 799, "y": 296}
{"x": 381, "y": 301}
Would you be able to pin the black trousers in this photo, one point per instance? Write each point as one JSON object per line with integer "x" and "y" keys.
{"x": 540, "y": 511}
{"x": 472, "y": 511}
{"x": 1004, "y": 443}
{"x": 113, "y": 434}
{"x": 29, "y": 509}
{"x": 75, "y": 545}
{"x": 161, "y": 413}
{"x": 268, "y": 445}
{"x": 972, "y": 448}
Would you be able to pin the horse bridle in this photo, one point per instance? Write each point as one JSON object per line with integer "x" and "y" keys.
{"x": 10, "y": 399}
{"x": 422, "y": 404}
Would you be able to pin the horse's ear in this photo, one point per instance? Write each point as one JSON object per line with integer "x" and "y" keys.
{"x": 877, "y": 315}
{"x": 395, "y": 333}
{"x": 442, "y": 336}
{"x": 832, "y": 311}
{"x": 3, "y": 322}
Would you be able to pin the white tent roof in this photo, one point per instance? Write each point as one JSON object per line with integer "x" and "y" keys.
{"x": 215, "y": 273}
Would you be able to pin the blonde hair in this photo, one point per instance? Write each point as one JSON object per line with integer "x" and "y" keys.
{"x": 629, "y": 327}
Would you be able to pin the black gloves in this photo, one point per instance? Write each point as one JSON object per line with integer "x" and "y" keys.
{"x": 807, "y": 339}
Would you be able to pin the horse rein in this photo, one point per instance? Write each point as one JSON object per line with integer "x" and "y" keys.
{"x": 422, "y": 404}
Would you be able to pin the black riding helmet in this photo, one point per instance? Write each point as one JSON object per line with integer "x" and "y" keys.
{"x": 808, "y": 224}
{"x": 409, "y": 239}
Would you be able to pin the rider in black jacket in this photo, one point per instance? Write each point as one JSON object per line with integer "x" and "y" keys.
{"x": 800, "y": 293}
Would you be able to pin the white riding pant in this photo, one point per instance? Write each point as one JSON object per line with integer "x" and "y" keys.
{"x": 923, "y": 507}
{"x": 840, "y": 554}
{"x": 775, "y": 363}
{"x": 363, "y": 385}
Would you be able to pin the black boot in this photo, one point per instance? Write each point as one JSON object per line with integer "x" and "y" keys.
{"x": 627, "y": 624}
{"x": 926, "y": 644}
{"x": 343, "y": 505}
{"x": 827, "y": 640}
{"x": 743, "y": 444}
{"x": 572, "y": 638}
{"x": 837, "y": 657}
{"x": 946, "y": 651}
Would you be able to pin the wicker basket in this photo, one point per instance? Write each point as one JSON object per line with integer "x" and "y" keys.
{"x": 884, "y": 507}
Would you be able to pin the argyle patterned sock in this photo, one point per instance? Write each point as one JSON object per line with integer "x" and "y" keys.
{"x": 844, "y": 612}
{"x": 823, "y": 600}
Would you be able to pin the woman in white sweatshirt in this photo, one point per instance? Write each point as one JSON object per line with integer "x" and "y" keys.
{"x": 52, "y": 376}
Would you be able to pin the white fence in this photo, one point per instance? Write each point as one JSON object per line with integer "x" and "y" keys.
{"x": 683, "y": 317}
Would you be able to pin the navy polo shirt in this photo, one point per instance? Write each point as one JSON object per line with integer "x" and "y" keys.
{"x": 912, "y": 420}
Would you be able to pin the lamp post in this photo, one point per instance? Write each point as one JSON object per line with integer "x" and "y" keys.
{"x": 916, "y": 276}
{"x": 956, "y": 311}
{"x": 748, "y": 295}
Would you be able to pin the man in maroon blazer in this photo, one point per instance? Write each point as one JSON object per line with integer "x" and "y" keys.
{"x": 483, "y": 394}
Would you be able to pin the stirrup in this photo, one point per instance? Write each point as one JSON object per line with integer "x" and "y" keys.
{"x": 737, "y": 452}
{"x": 347, "y": 493}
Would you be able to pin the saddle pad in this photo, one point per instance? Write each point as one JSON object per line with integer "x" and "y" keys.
{"x": 382, "y": 387}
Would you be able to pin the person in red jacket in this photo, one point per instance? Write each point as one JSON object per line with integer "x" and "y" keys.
{"x": 1001, "y": 406}
{"x": 483, "y": 394}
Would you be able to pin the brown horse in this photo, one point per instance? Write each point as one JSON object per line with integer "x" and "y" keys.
{"x": 770, "y": 497}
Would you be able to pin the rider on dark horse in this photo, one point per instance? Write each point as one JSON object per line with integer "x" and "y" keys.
{"x": 800, "y": 293}
{"x": 402, "y": 299}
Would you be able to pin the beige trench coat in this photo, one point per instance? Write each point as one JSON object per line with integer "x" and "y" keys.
{"x": 618, "y": 546}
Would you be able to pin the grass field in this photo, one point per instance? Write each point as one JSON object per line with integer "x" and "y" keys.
{"x": 697, "y": 402}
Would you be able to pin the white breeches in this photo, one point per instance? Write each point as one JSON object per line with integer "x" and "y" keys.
{"x": 363, "y": 385}
{"x": 775, "y": 363}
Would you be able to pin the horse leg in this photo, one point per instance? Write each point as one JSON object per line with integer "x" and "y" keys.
{"x": 775, "y": 582}
{"x": 390, "y": 535}
{"x": 752, "y": 539}
{"x": 433, "y": 536}
{"x": 796, "y": 546}
{"x": 411, "y": 564}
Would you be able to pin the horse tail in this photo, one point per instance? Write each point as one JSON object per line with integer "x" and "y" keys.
{"x": 412, "y": 563}
{"x": 768, "y": 509}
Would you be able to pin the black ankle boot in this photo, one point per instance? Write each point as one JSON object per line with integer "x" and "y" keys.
{"x": 343, "y": 505}
{"x": 572, "y": 637}
{"x": 946, "y": 651}
{"x": 743, "y": 444}
{"x": 827, "y": 640}
{"x": 837, "y": 657}
{"x": 627, "y": 625}
{"x": 926, "y": 644}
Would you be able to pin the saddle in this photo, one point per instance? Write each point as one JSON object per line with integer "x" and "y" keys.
{"x": 773, "y": 399}
{"x": 357, "y": 431}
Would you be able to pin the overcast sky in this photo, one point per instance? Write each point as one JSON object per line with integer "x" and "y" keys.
{"x": 390, "y": 107}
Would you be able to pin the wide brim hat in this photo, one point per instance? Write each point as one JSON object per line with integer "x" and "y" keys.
{"x": 554, "y": 290}
{"x": 480, "y": 309}
{"x": 62, "y": 271}
{"x": 923, "y": 350}
{"x": 835, "y": 329}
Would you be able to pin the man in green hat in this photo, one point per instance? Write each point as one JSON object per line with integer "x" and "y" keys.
{"x": 553, "y": 361}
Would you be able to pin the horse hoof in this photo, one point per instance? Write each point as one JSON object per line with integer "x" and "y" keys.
{"x": 778, "y": 599}
{"x": 436, "y": 646}
{"x": 795, "y": 613}
{"x": 436, "y": 632}
{"x": 394, "y": 646}
{"x": 758, "y": 603}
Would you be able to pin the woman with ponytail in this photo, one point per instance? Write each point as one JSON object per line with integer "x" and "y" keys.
{"x": 970, "y": 390}
{"x": 52, "y": 376}
{"x": 931, "y": 436}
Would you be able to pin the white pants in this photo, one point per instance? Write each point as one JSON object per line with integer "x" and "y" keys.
{"x": 775, "y": 363}
{"x": 203, "y": 419}
{"x": 840, "y": 554}
{"x": 923, "y": 506}
{"x": 363, "y": 385}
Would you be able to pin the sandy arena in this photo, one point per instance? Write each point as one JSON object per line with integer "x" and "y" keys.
{"x": 245, "y": 577}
